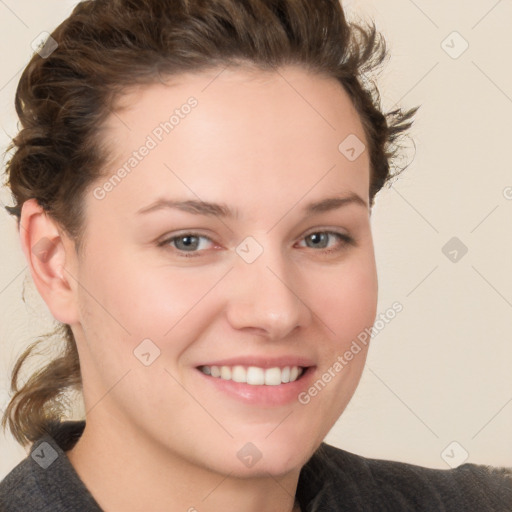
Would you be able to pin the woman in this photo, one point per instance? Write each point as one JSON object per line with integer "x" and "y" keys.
{"x": 194, "y": 184}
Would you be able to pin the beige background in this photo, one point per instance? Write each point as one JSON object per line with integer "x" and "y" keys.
{"x": 441, "y": 370}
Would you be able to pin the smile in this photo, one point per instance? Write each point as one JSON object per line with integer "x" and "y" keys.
{"x": 254, "y": 375}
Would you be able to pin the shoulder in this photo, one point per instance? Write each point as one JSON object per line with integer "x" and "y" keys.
{"x": 361, "y": 483}
{"x": 19, "y": 490}
{"x": 45, "y": 480}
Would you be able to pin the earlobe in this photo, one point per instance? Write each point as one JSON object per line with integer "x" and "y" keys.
{"x": 44, "y": 249}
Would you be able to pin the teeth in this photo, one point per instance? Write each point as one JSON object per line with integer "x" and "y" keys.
{"x": 254, "y": 375}
{"x": 272, "y": 376}
{"x": 225, "y": 372}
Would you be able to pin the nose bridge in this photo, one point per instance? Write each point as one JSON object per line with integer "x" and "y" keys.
{"x": 265, "y": 295}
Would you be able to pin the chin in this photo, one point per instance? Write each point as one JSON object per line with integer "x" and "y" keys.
{"x": 270, "y": 457}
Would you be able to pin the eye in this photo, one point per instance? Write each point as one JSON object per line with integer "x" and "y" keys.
{"x": 189, "y": 245}
{"x": 185, "y": 243}
{"x": 319, "y": 238}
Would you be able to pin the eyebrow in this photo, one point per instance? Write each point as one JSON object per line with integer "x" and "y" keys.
{"x": 224, "y": 211}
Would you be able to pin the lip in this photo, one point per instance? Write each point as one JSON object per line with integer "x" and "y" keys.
{"x": 261, "y": 362}
{"x": 263, "y": 396}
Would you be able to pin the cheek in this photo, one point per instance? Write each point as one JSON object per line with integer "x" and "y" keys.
{"x": 345, "y": 298}
{"x": 128, "y": 300}
{"x": 346, "y": 306}
{"x": 132, "y": 293}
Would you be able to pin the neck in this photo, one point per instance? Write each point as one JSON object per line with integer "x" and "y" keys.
{"x": 150, "y": 477}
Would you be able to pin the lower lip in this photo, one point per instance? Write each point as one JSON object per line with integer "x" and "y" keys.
{"x": 282, "y": 394}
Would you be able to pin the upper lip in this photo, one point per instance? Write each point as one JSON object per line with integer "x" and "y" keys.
{"x": 262, "y": 362}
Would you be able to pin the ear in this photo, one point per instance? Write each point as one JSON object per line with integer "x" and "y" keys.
{"x": 52, "y": 259}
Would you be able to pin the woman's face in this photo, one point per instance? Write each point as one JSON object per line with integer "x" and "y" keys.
{"x": 274, "y": 285}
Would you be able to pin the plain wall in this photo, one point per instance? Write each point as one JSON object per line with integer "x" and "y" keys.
{"x": 440, "y": 371}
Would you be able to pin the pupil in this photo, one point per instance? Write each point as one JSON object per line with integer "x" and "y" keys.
{"x": 187, "y": 241}
{"x": 316, "y": 237}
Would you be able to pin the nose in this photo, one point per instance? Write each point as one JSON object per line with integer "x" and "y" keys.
{"x": 266, "y": 297}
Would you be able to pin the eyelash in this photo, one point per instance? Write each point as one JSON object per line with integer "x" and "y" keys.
{"x": 346, "y": 240}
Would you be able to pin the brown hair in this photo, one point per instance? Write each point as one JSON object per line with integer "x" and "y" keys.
{"x": 106, "y": 47}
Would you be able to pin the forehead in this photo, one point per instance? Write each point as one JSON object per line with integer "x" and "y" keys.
{"x": 257, "y": 132}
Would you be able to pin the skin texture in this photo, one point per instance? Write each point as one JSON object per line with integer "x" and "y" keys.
{"x": 162, "y": 437}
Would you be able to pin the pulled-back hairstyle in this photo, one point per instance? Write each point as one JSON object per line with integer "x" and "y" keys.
{"x": 107, "y": 47}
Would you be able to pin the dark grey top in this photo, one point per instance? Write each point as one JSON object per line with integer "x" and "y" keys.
{"x": 332, "y": 480}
